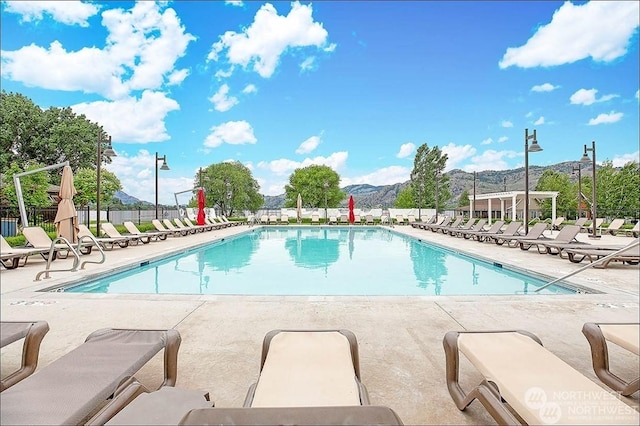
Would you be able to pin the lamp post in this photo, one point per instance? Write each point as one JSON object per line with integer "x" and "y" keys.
{"x": 109, "y": 152}
{"x": 473, "y": 209}
{"x": 437, "y": 195}
{"x": 578, "y": 169}
{"x": 585, "y": 159}
{"x": 227, "y": 185}
{"x": 163, "y": 167}
{"x": 326, "y": 187}
{"x": 527, "y": 149}
{"x": 504, "y": 184}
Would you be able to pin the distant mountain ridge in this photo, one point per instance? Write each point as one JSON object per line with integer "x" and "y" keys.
{"x": 371, "y": 196}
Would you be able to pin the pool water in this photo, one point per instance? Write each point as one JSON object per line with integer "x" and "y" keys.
{"x": 319, "y": 260}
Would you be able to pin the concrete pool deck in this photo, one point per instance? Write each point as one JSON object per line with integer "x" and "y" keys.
{"x": 400, "y": 338}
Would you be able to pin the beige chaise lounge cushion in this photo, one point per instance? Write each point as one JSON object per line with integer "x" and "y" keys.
{"x": 624, "y": 335}
{"x": 307, "y": 369}
{"x": 539, "y": 386}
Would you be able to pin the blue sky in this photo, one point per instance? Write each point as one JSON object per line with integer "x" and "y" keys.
{"x": 357, "y": 86}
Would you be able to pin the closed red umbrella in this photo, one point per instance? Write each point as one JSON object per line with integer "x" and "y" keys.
{"x": 352, "y": 217}
{"x": 201, "y": 215}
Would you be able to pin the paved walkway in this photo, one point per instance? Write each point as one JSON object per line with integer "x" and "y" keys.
{"x": 400, "y": 338}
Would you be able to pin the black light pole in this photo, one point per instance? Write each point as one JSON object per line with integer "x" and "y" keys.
{"x": 163, "y": 167}
{"x": 472, "y": 214}
{"x": 504, "y": 183}
{"x": 578, "y": 169}
{"x": 527, "y": 149}
{"x": 109, "y": 152}
{"x": 437, "y": 195}
{"x": 585, "y": 159}
{"x": 326, "y": 187}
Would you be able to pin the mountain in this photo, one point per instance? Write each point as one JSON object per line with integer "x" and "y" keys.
{"x": 128, "y": 199}
{"x": 487, "y": 181}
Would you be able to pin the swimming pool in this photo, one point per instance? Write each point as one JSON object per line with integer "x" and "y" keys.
{"x": 305, "y": 260}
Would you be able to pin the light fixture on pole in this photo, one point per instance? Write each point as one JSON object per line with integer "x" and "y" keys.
{"x": 527, "y": 149}
{"x": 163, "y": 167}
{"x": 585, "y": 159}
{"x": 437, "y": 195}
{"x": 326, "y": 187}
{"x": 109, "y": 152}
{"x": 578, "y": 169}
{"x": 504, "y": 183}
{"x": 472, "y": 210}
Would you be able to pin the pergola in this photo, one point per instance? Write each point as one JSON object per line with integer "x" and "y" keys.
{"x": 515, "y": 197}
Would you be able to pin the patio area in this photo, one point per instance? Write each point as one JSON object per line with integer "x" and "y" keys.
{"x": 400, "y": 338}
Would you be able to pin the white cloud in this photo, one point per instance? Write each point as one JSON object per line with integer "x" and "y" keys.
{"x": 621, "y": 160}
{"x": 588, "y": 97}
{"x": 308, "y": 145}
{"x": 637, "y": 94}
{"x": 385, "y": 176}
{"x": 140, "y": 52}
{"x": 456, "y": 154}
{"x": 221, "y": 101}
{"x": 601, "y": 30}
{"x": 406, "y": 149}
{"x": 238, "y": 3}
{"x": 546, "y": 87}
{"x": 65, "y": 12}
{"x": 487, "y": 141}
{"x": 261, "y": 45}
{"x": 506, "y": 123}
{"x": 612, "y": 117}
{"x": 231, "y": 132}
{"x": 137, "y": 175}
{"x": 177, "y": 77}
{"x": 308, "y": 64}
{"x": 284, "y": 166}
{"x": 490, "y": 160}
{"x": 132, "y": 120}
{"x": 502, "y": 139}
{"x": 539, "y": 121}
{"x": 249, "y": 88}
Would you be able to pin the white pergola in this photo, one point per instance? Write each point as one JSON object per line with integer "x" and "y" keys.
{"x": 515, "y": 197}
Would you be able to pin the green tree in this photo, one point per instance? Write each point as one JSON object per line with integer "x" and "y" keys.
{"x": 463, "y": 201}
{"x": 317, "y": 185}
{"x": 34, "y": 186}
{"x": 405, "y": 199}
{"x": 618, "y": 190}
{"x": 427, "y": 173}
{"x": 628, "y": 182}
{"x": 567, "y": 201}
{"x": 84, "y": 181}
{"x": 52, "y": 136}
{"x": 231, "y": 187}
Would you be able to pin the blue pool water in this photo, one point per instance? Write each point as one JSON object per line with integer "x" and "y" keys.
{"x": 319, "y": 261}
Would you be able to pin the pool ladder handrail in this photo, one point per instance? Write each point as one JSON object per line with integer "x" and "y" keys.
{"x": 62, "y": 240}
{"x": 589, "y": 265}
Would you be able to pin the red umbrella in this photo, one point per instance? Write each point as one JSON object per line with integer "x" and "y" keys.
{"x": 200, "y": 207}
{"x": 352, "y": 217}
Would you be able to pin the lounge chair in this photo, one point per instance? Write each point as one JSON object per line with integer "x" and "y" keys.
{"x": 183, "y": 231}
{"x": 106, "y": 243}
{"x": 264, "y": 219}
{"x": 535, "y": 232}
{"x": 308, "y": 368}
{"x": 399, "y": 219}
{"x": 273, "y": 219}
{"x": 38, "y": 238}
{"x": 477, "y": 227}
{"x": 460, "y": 227}
{"x": 411, "y": 219}
{"x": 315, "y": 219}
{"x": 599, "y": 222}
{"x": 512, "y": 230}
{"x": 357, "y": 219}
{"x": 440, "y": 220}
{"x": 205, "y": 227}
{"x": 32, "y": 332}
{"x": 344, "y": 219}
{"x": 628, "y": 255}
{"x": 230, "y": 223}
{"x": 333, "y": 220}
{"x": 523, "y": 377}
{"x": 368, "y": 219}
{"x": 635, "y": 231}
{"x": 112, "y": 232}
{"x": 624, "y": 335}
{"x": 546, "y": 245}
{"x": 72, "y": 388}
{"x": 581, "y": 223}
{"x": 477, "y": 235}
{"x": 446, "y": 223}
{"x": 220, "y": 223}
{"x": 384, "y": 219}
{"x": 191, "y": 229}
{"x": 172, "y": 232}
{"x": 10, "y": 257}
{"x": 356, "y": 415}
{"x": 154, "y": 235}
{"x": 614, "y": 227}
{"x": 284, "y": 219}
{"x": 557, "y": 224}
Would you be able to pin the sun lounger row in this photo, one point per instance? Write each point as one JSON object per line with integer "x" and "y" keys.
{"x": 313, "y": 377}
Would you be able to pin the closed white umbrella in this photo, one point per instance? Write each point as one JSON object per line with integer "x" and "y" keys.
{"x": 66, "y": 220}
{"x": 299, "y": 205}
